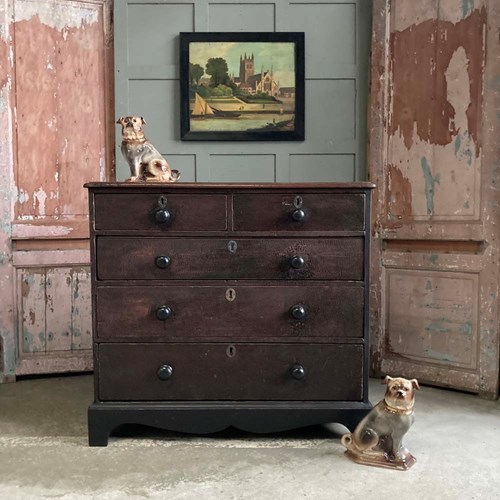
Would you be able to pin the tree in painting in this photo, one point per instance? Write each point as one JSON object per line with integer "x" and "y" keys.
{"x": 195, "y": 73}
{"x": 217, "y": 69}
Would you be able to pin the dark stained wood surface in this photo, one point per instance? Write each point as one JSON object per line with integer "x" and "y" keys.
{"x": 258, "y": 311}
{"x": 207, "y": 371}
{"x": 211, "y": 186}
{"x": 323, "y": 212}
{"x": 259, "y": 258}
{"x": 231, "y": 358}
{"x": 136, "y": 211}
{"x": 204, "y": 417}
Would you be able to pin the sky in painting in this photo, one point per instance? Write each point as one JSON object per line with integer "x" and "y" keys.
{"x": 279, "y": 56}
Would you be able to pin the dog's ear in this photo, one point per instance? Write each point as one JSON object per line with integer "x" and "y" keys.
{"x": 414, "y": 383}
{"x": 387, "y": 379}
{"x": 143, "y": 120}
{"x": 120, "y": 120}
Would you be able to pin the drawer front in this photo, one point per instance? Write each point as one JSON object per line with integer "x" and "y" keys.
{"x": 299, "y": 212}
{"x": 288, "y": 372}
{"x": 156, "y": 212}
{"x": 237, "y": 311}
{"x": 218, "y": 258}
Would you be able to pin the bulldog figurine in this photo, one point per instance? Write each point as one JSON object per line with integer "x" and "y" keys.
{"x": 378, "y": 438}
{"x": 144, "y": 160}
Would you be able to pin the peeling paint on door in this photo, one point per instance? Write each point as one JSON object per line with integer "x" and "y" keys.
{"x": 430, "y": 182}
{"x": 398, "y": 193}
{"x": 435, "y": 100}
{"x": 55, "y": 309}
{"x": 424, "y": 322}
{"x": 59, "y": 50}
{"x": 419, "y": 77}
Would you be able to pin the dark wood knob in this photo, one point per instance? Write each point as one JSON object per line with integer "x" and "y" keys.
{"x": 162, "y": 261}
{"x": 298, "y": 372}
{"x": 165, "y": 372}
{"x": 298, "y": 215}
{"x": 163, "y": 313}
{"x": 163, "y": 216}
{"x": 298, "y": 311}
{"x": 297, "y": 262}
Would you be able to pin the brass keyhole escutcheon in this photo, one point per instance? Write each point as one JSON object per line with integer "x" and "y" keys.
{"x": 230, "y": 294}
{"x": 232, "y": 246}
{"x": 162, "y": 201}
{"x": 231, "y": 351}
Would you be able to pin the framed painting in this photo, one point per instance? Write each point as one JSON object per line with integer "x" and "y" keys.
{"x": 242, "y": 86}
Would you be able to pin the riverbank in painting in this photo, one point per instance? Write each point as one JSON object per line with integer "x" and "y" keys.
{"x": 248, "y": 116}
{"x": 247, "y": 121}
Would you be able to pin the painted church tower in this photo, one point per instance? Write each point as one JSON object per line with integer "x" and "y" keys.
{"x": 246, "y": 67}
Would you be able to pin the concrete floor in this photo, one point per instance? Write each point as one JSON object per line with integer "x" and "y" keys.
{"x": 44, "y": 454}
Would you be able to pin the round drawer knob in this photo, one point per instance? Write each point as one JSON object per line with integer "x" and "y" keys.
{"x": 298, "y": 372}
{"x": 165, "y": 372}
{"x": 162, "y": 261}
{"x": 298, "y": 215}
{"x": 163, "y": 216}
{"x": 163, "y": 313}
{"x": 298, "y": 311}
{"x": 297, "y": 262}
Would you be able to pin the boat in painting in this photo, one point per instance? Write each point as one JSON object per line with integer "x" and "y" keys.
{"x": 204, "y": 110}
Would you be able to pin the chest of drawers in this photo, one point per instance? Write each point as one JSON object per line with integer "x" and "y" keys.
{"x": 218, "y": 305}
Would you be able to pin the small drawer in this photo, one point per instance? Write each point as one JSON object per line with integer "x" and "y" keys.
{"x": 166, "y": 313}
{"x": 219, "y": 258}
{"x": 160, "y": 212}
{"x": 299, "y": 212}
{"x": 244, "y": 372}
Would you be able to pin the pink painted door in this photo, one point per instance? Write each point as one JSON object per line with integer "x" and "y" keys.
{"x": 433, "y": 154}
{"x": 60, "y": 109}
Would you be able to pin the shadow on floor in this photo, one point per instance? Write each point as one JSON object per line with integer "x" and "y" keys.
{"x": 327, "y": 431}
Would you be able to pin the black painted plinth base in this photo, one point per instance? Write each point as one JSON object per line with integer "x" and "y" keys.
{"x": 205, "y": 418}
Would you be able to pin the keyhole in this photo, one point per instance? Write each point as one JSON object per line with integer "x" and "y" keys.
{"x": 232, "y": 246}
{"x": 231, "y": 351}
{"x": 298, "y": 201}
{"x": 162, "y": 201}
{"x": 230, "y": 294}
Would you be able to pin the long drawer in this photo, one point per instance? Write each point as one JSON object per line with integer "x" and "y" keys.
{"x": 244, "y": 372}
{"x": 237, "y": 311}
{"x": 157, "y": 212}
{"x": 298, "y": 212}
{"x": 219, "y": 258}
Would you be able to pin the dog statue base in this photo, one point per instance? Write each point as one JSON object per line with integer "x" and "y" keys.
{"x": 378, "y": 438}
{"x": 382, "y": 460}
{"x": 175, "y": 175}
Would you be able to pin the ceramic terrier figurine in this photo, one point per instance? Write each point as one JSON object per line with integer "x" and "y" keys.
{"x": 144, "y": 160}
{"x": 378, "y": 438}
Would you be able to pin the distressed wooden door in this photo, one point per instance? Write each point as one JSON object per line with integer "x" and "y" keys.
{"x": 56, "y": 89}
{"x": 434, "y": 157}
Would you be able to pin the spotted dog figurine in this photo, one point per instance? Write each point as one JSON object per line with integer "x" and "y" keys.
{"x": 378, "y": 438}
{"x": 144, "y": 160}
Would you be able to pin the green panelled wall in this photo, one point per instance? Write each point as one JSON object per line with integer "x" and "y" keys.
{"x": 337, "y": 38}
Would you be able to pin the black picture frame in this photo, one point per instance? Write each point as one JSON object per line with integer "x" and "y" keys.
{"x": 292, "y": 128}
